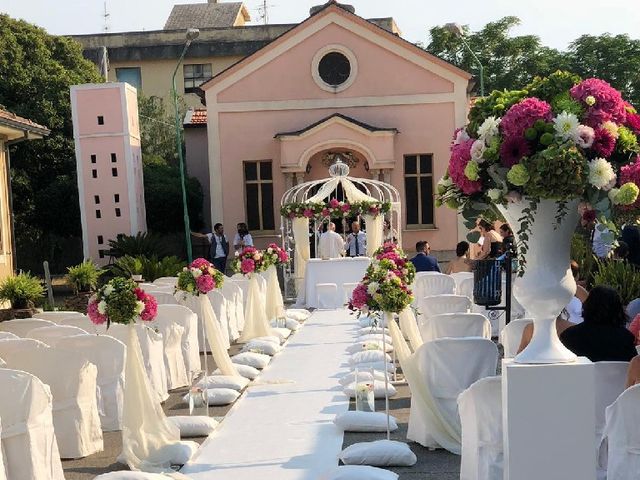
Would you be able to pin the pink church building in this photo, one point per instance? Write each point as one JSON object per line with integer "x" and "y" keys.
{"x": 335, "y": 83}
{"x": 109, "y": 164}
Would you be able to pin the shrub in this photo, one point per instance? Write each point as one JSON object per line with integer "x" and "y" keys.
{"x": 621, "y": 275}
{"x": 22, "y": 291}
{"x": 142, "y": 244}
{"x": 150, "y": 268}
{"x": 83, "y": 277}
{"x": 582, "y": 253}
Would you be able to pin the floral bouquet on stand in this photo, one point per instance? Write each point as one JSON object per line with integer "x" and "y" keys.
{"x": 275, "y": 255}
{"x": 199, "y": 278}
{"x": 248, "y": 261}
{"x": 121, "y": 301}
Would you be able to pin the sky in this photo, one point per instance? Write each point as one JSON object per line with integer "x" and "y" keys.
{"x": 556, "y": 22}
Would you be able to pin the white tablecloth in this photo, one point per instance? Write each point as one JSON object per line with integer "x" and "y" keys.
{"x": 337, "y": 270}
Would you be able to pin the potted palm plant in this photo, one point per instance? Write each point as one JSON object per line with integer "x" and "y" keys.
{"x": 82, "y": 278}
{"x": 23, "y": 292}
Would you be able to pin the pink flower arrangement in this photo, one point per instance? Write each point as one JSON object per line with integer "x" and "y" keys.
{"x": 359, "y": 296}
{"x": 345, "y": 207}
{"x": 523, "y": 115}
{"x": 94, "y": 314}
{"x": 199, "y": 278}
{"x": 334, "y": 203}
{"x": 460, "y": 156}
{"x": 602, "y": 101}
{"x": 250, "y": 260}
{"x": 603, "y": 143}
{"x": 150, "y": 305}
{"x": 121, "y": 301}
{"x": 247, "y": 266}
{"x": 308, "y": 213}
{"x": 274, "y": 255}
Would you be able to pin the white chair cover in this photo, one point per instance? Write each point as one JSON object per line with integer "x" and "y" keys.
{"x": 22, "y": 326}
{"x": 6, "y": 335}
{"x": 57, "y": 315}
{"x": 72, "y": 380}
{"x": 327, "y": 296}
{"x": 409, "y": 328}
{"x": 610, "y": 382}
{"x": 623, "y": 436}
{"x": 29, "y": 444}
{"x": 459, "y": 277}
{"x": 465, "y": 287}
{"x": 235, "y": 307}
{"x": 454, "y": 325}
{"x": 172, "y": 335}
{"x": 435, "y": 284}
{"x": 256, "y": 323}
{"x": 50, "y": 335}
{"x": 171, "y": 281}
{"x": 438, "y": 304}
{"x": 108, "y": 355}
{"x": 480, "y": 408}
{"x": 243, "y": 283}
{"x": 163, "y": 297}
{"x": 184, "y": 317}
{"x": 9, "y": 346}
{"x": 82, "y": 322}
{"x": 219, "y": 304}
{"x": 152, "y": 353}
{"x": 511, "y": 336}
{"x": 449, "y": 366}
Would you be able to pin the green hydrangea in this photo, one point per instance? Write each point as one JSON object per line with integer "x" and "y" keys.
{"x": 627, "y": 141}
{"x": 492, "y": 152}
{"x": 627, "y": 194}
{"x": 472, "y": 170}
{"x": 565, "y": 103}
{"x": 518, "y": 175}
{"x": 558, "y": 172}
{"x": 495, "y": 194}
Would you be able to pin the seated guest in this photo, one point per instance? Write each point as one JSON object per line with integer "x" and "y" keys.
{"x": 633, "y": 373}
{"x": 423, "y": 261}
{"x": 356, "y": 244}
{"x": 602, "y": 336}
{"x": 331, "y": 244}
{"x": 462, "y": 262}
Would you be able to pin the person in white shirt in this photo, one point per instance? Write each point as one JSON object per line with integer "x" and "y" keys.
{"x": 356, "y": 245}
{"x": 219, "y": 250}
{"x": 331, "y": 244}
{"x": 242, "y": 238}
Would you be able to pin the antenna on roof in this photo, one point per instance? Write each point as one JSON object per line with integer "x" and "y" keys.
{"x": 106, "y": 16}
{"x": 263, "y": 12}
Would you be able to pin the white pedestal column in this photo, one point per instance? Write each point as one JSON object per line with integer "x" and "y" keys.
{"x": 549, "y": 421}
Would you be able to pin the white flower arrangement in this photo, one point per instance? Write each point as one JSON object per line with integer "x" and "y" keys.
{"x": 489, "y": 129}
{"x": 601, "y": 174}
{"x": 372, "y": 288}
{"x": 566, "y": 126}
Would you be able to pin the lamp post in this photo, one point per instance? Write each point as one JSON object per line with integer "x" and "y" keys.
{"x": 191, "y": 35}
{"x": 458, "y": 31}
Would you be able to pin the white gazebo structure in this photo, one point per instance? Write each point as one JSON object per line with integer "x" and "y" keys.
{"x": 308, "y": 205}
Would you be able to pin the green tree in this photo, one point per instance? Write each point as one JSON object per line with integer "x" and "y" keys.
{"x": 157, "y": 127}
{"x": 509, "y": 62}
{"x": 37, "y": 70}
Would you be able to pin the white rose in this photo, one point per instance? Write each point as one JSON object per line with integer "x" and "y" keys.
{"x": 108, "y": 290}
{"x": 372, "y": 288}
{"x": 139, "y": 307}
{"x": 269, "y": 250}
{"x": 477, "y": 150}
{"x": 102, "y": 307}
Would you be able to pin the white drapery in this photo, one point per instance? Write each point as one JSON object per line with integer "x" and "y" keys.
{"x": 202, "y": 305}
{"x": 300, "y": 227}
{"x": 146, "y": 431}
{"x": 374, "y": 232}
{"x": 409, "y": 328}
{"x": 274, "y": 300}
{"x": 256, "y": 323}
{"x": 445, "y": 434}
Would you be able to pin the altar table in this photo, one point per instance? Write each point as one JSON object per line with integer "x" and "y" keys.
{"x": 336, "y": 270}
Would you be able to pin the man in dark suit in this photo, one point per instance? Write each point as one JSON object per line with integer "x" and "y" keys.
{"x": 423, "y": 261}
{"x": 219, "y": 250}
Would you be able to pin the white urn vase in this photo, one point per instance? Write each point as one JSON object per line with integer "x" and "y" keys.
{"x": 547, "y": 285}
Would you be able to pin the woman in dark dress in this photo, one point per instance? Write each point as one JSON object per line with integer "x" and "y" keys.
{"x": 492, "y": 241}
{"x": 602, "y": 336}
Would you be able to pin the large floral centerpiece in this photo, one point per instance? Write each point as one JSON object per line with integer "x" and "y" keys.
{"x": 199, "y": 278}
{"x": 248, "y": 261}
{"x": 121, "y": 301}
{"x": 275, "y": 255}
{"x": 541, "y": 155}
{"x": 334, "y": 208}
{"x": 385, "y": 286}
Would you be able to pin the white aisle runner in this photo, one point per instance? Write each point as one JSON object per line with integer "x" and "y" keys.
{"x": 285, "y": 431}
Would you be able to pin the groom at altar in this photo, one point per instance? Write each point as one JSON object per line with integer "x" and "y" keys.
{"x": 356, "y": 244}
{"x": 331, "y": 244}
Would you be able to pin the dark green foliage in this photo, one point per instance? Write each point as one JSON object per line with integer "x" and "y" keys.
{"x": 620, "y": 275}
{"x": 558, "y": 172}
{"x": 150, "y": 268}
{"x": 22, "y": 291}
{"x": 142, "y": 244}
{"x": 83, "y": 277}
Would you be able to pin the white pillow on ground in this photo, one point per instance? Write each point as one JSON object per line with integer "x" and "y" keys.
{"x": 244, "y": 370}
{"x": 365, "y": 321}
{"x": 282, "y": 333}
{"x": 298, "y": 314}
{"x": 255, "y": 360}
{"x": 194, "y": 425}
{"x": 292, "y": 324}
{"x": 369, "y": 345}
{"x": 374, "y": 330}
{"x": 178, "y": 453}
{"x": 224, "y": 381}
{"x": 369, "y": 356}
{"x": 216, "y": 397}
{"x": 354, "y": 421}
{"x": 375, "y": 366}
{"x": 374, "y": 337}
{"x": 363, "y": 376}
{"x": 378, "y": 389}
{"x": 270, "y": 338}
{"x": 268, "y": 348}
{"x": 359, "y": 472}
{"x": 380, "y": 453}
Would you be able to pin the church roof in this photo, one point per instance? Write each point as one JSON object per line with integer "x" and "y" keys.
{"x": 206, "y": 15}
{"x": 366, "y": 126}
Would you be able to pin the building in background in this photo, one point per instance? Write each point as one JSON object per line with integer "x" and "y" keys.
{"x": 109, "y": 165}
{"x": 13, "y": 129}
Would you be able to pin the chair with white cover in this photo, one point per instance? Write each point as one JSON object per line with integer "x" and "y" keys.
{"x": 172, "y": 337}
{"x": 465, "y": 287}
{"x": 610, "y": 382}
{"x": 438, "y": 304}
{"x": 50, "y": 335}
{"x": 454, "y": 325}
{"x": 347, "y": 289}
{"x": 235, "y": 307}
{"x": 171, "y": 281}
{"x": 184, "y": 317}
{"x": 449, "y": 366}
{"x": 511, "y": 335}
{"x": 9, "y": 346}
{"x": 108, "y": 355}
{"x": 57, "y": 315}
{"x": 242, "y": 282}
{"x": 152, "y": 354}
{"x": 163, "y": 297}
{"x": 29, "y": 442}
{"x": 327, "y": 296}
{"x": 435, "y": 284}
{"x": 459, "y": 277}
{"x": 480, "y": 408}
{"x": 72, "y": 380}
{"x": 82, "y": 322}
{"x": 219, "y": 304}
{"x": 623, "y": 436}
{"x": 22, "y": 326}
{"x": 8, "y": 335}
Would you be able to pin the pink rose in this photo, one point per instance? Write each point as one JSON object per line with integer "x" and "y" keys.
{"x": 325, "y": 212}
{"x": 150, "y": 308}
{"x": 346, "y": 207}
{"x": 308, "y": 213}
{"x": 94, "y": 315}
{"x": 205, "y": 283}
{"x": 334, "y": 203}
{"x": 247, "y": 266}
{"x": 200, "y": 263}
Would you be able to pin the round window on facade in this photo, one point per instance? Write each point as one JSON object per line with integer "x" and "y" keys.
{"x": 334, "y": 69}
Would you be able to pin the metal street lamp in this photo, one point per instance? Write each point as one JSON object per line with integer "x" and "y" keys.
{"x": 458, "y": 31}
{"x": 191, "y": 35}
